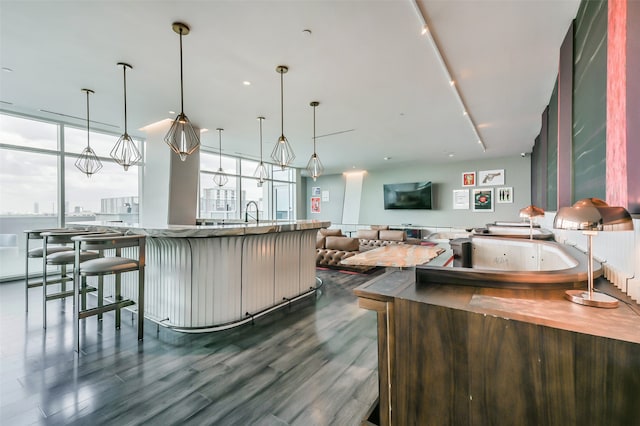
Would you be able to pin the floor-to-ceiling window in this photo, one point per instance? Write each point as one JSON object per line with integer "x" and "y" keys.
{"x": 40, "y": 187}
{"x": 274, "y": 198}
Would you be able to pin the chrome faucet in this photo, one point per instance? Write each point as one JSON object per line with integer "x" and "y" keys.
{"x": 246, "y": 211}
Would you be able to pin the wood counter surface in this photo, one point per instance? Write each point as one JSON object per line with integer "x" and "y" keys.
{"x": 475, "y": 355}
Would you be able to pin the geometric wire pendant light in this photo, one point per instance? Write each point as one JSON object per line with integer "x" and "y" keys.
{"x": 88, "y": 162}
{"x": 282, "y": 153}
{"x": 220, "y": 178}
{"x": 124, "y": 151}
{"x": 181, "y": 137}
{"x": 314, "y": 166}
{"x": 261, "y": 171}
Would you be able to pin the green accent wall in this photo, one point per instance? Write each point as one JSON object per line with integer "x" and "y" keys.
{"x": 589, "y": 101}
{"x": 552, "y": 151}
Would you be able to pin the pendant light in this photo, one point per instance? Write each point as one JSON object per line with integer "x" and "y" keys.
{"x": 220, "y": 178}
{"x": 314, "y": 166}
{"x": 261, "y": 171}
{"x": 88, "y": 162}
{"x": 182, "y": 138}
{"x": 282, "y": 153}
{"x": 125, "y": 152}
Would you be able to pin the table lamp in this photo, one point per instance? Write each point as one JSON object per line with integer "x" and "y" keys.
{"x": 530, "y": 212}
{"x": 591, "y": 215}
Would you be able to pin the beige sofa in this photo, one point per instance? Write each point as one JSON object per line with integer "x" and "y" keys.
{"x": 370, "y": 239}
{"x": 332, "y": 246}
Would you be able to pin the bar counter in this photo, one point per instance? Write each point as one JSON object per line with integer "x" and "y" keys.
{"x": 203, "y": 278}
{"x": 450, "y": 354}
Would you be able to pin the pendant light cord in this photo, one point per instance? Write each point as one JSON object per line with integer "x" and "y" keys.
{"x": 220, "y": 147}
{"x": 88, "y": 144}
{"x": 260, "y": 119}
{"x": 181, "y": 84}
{"x": 282, "y": 102}
{"x": 314, "y": 130}
{"x": 124, "y": 70}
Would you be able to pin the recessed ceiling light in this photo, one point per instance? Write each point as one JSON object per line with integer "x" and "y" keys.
{"x": 172, "y": 112}
{"x": 246, "y": 83}
{"x": 204, "y": 130}
{"x": 307, "y": 31}
{"x": 387, "y": 158}
{"x": 6, "y": 69}
{"x": 451, "y": 155}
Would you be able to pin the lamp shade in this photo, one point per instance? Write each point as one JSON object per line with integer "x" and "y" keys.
{"x": 593, "y": 214}
{"x": 531, "y": 211}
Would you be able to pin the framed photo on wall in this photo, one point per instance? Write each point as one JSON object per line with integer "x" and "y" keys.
{"x": 469, "y": 179}
{"x": 315, "y": 204}
{"x": 483, "y": 200}
{"x": 491, "y": 177}
{"x": 504, "y": 195}
{"x": 461, "y": 199}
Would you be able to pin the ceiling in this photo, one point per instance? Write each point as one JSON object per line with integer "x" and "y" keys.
{"x": 381, "y": 86}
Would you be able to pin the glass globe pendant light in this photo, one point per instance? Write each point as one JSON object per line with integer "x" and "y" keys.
{"x": 282, "y": 153}
{"x": 182, "y": 137}
{"x": 125, "y": 151}
{"x": 220, "y": 178}
{"x": 314, "y": 166}
{"x": 88, "y": 162}
{"x": 261, "y": 171}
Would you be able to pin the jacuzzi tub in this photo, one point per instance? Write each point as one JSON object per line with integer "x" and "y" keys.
{"x": 514, "y": 263}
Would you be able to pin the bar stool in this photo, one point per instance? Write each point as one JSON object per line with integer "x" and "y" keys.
{"x": 36, "y": 253}
{"x": 62, "y": 259}
{"x": 108, "y": 266}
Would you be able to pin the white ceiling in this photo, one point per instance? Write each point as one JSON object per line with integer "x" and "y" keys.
{"x": 381, "y": 88}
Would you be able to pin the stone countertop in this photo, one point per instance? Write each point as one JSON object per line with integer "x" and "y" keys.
{"x": 541, "y": 307}
{"x": 203, "y": 231}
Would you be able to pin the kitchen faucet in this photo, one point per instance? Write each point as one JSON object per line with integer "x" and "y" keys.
{"x": 246, "y": 211}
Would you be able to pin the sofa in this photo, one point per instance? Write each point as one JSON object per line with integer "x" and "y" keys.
{"x": 370, "y": 239}
{"x": 332, "y": 246}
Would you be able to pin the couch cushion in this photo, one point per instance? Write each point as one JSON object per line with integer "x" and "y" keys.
{"x": 392, "y": 235}
{"x": 342, "y": 243}
{"x": 320, "y": 240}
{"x": 368, "y": 234}
{"x": 379, "y": 227}
{"x": 331, "y": 232}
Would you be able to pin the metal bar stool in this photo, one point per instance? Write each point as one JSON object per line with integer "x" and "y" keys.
{"x": 62, "y": 259}
{"x": 36, "y": 253}
{"x": 107, "y": 266}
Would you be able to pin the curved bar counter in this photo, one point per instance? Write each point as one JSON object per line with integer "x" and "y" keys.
{"x": 208, "y": 278}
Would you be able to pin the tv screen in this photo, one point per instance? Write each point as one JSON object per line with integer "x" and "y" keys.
{"x": 416, "y": 195}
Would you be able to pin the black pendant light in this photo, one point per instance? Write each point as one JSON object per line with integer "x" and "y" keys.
{"x": 314, "y": 166}
{"x": 261, "y": 171}
{"x": 182, "y": 138}
{"x": 282, "y": 153}
{"x": 125, "y": 151}
{"x": 88, "y": 162}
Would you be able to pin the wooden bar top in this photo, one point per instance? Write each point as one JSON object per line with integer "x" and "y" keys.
{"x": 541, "y": 307}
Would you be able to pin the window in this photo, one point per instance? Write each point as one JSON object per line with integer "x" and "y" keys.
{"x": 31, "y": 181}
{"x": 275, "y": 198}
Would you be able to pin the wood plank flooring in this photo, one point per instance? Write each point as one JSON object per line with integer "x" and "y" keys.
{"x": 312, "y": 364}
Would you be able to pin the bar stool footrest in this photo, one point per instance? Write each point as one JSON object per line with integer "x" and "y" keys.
{"x": 106, "y": 308}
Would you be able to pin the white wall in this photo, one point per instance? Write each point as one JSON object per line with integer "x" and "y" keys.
{"x": 445, "y": 177}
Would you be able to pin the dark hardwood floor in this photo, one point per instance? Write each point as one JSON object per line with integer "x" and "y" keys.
{"x": 313, "y": 364}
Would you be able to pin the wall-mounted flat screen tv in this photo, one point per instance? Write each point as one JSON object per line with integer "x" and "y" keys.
{"x": 415, "y": 195}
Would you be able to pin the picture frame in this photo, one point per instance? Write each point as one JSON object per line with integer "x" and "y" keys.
{"x": 469, "y": 179}
{"x": 491, "y": 177}
{"x": 483, "y": 200}
{"x": 315, "y": 204}
{"x": 461, "y": 199}
{"x": 315, "y": 191}
{"x": 504, "y": 195}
